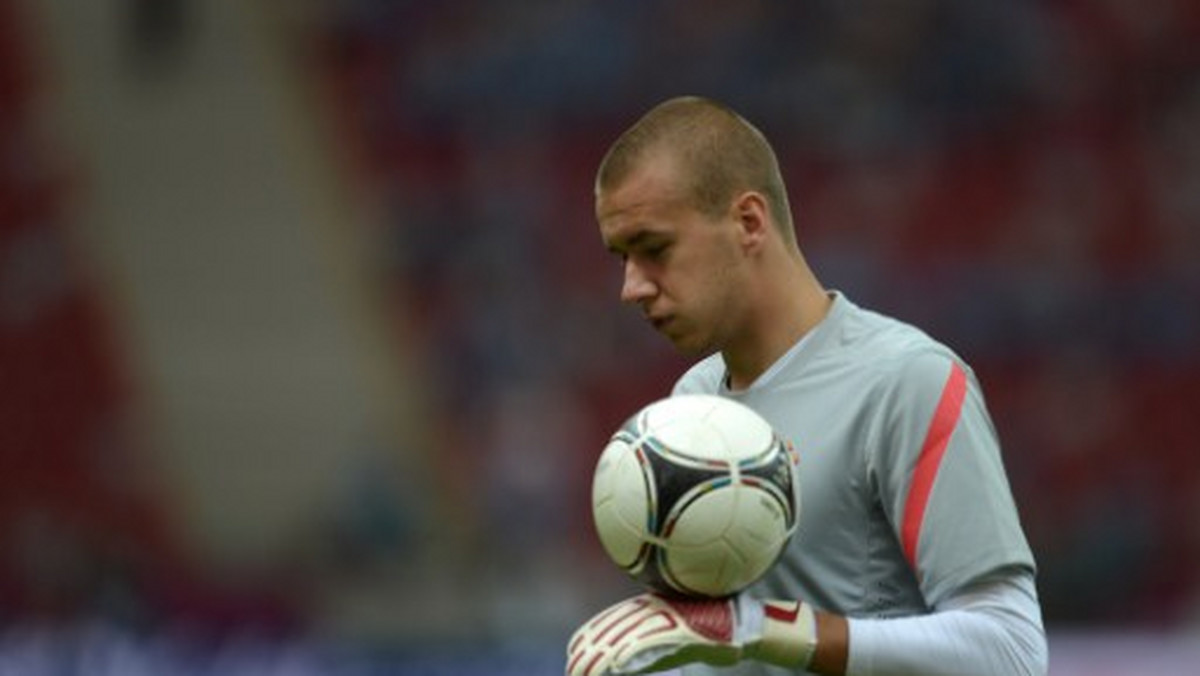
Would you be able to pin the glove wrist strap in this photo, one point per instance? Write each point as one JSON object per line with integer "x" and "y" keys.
{"x": 789, "y": 634}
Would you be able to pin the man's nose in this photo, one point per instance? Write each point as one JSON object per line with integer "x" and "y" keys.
{"x": 637, "y": 287}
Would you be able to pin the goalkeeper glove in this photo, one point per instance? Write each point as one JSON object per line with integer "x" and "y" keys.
{"x": 652, "y": 633}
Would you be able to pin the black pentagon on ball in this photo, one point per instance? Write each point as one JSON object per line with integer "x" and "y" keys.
{"x": 669, "y": 482}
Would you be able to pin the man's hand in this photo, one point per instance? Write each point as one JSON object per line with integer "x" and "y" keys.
{"x": 652, "y": 633}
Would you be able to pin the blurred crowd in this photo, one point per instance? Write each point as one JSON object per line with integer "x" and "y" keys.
{"x": 1021, "y": 179}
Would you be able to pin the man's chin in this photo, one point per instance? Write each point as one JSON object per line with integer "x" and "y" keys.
{"x": 688, "y": 345}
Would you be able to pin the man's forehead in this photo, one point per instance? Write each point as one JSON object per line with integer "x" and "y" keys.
{"x": 618, "y": 225}
{"x": 611, "y": 212}
{"x": 620, "y": 212}
{"x": 653, "y": 184}
{"x": 635, "y": 223}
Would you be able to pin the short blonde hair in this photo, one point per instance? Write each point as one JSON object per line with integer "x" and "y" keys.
{"x": 719, "y": 151}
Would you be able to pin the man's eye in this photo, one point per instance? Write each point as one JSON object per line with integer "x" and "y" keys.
{"x": 655, "y": 252}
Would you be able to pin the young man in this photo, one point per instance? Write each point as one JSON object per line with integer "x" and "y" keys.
{"x": 910, "y": 558}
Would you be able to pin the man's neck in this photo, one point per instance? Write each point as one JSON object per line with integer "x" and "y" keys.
{"x": 781, "y": 320}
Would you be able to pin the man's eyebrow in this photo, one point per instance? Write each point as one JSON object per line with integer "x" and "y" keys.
{"x": 634, "y": 241}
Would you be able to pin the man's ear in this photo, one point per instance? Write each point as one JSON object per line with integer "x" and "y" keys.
{"x": 753, "y": 219}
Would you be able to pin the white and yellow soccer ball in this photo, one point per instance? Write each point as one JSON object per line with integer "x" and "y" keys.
{"x": 696, "y": 495}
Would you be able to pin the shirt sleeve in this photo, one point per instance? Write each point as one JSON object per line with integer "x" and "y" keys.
{"x": 992, "y": 628}
{"x": 937, "y": 465}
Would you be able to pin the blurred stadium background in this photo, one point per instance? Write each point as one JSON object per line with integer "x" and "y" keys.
{"x": 308, "y": 344}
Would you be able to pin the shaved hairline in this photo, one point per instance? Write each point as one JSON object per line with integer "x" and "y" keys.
{"x": 719, "y": 153}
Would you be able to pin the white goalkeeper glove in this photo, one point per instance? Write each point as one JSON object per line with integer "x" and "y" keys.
{"x": 653, "y": 633}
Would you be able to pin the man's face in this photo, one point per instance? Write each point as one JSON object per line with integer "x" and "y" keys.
{"x": 682, "y": 268}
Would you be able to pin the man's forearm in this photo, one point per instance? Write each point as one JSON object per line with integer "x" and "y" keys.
{"x": 991, "y": 629}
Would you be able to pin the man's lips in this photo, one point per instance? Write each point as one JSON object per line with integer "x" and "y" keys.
{"x": 659, "y": 321}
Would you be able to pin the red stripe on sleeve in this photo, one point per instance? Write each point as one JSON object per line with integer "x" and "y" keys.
{"x": 945, "y": 418}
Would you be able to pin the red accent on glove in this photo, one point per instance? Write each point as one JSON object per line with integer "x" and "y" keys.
{"x": 776, "y": 613}
{"x": 711, "y": 619}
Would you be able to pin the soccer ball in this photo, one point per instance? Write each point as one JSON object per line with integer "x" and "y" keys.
{"x": 696, "y": 495}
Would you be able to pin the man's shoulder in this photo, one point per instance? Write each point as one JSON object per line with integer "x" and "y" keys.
{"x": 882, "y": 338}
{"x": 896, "y": 357}
{"x": 704, "y": 377}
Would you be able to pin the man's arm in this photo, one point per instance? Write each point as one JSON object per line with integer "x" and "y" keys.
{"x": 992, "y": 628}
